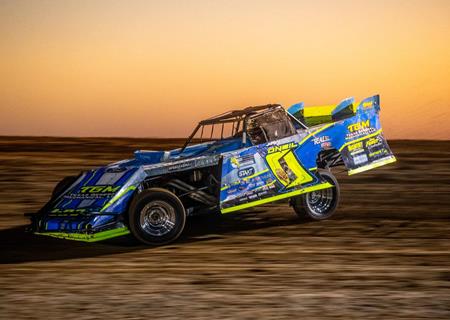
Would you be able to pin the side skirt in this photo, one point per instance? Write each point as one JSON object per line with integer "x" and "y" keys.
{"x": 277, "y": 197}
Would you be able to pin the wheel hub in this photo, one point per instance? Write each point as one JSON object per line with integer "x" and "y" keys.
{"x": 320, "y": 201}
{"x": 157, "y": 218}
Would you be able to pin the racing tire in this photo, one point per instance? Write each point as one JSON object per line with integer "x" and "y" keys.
{"x": 320, "y": 204}
{"x": 62, "y": 185}
{"x": 156, "y": 217}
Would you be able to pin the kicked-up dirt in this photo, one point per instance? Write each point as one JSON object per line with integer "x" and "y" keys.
{"x": 384, "y": 255}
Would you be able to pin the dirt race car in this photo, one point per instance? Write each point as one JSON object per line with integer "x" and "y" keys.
{"x": 231, "y": 162}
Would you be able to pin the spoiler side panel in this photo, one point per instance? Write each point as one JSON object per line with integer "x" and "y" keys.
{"x": 357, "y": 135}
{"x": 364, "y": 146}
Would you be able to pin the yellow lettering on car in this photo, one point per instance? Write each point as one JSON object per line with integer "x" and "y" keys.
{"x": 85, "y": 189}
{"x": 111, "y": 189}
{"x": 367, "y": 104}
{"x": 358, "y": 126}
{"x": 99, "y": 189}
{"x": 355, "y": 146}
{"x": 281, "y": 148}
{"x": 371, "y": 142}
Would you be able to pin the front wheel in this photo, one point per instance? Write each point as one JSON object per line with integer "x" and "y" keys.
{"x": 156, "y": 216}
{"x": 320, "y": 204}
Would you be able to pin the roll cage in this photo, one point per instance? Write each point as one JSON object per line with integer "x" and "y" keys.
{"x": 259, "y": 123}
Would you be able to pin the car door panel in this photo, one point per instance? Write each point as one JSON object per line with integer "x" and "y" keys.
{"x": 265, "y": 173}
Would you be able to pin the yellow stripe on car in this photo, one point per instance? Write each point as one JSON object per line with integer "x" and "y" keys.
{"x": 372, "y": 165}
{"x": 86, "y": 237}
{"x": 278, "y": 197}
{"x": 117, "y": 197}
{"x": 318, "y": 111}
{"x": 256, "y": 174}
{"x": 316, "y": 132}
{"x": 246, "y": 178}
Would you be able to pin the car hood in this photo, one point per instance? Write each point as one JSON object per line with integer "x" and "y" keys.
{"x": 107, "y": 189}
{"x": 101, "y": 190}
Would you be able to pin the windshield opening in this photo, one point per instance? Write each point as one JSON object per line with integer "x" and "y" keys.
{"x": 216, "y": 131}
{"x": 269, "y": 126}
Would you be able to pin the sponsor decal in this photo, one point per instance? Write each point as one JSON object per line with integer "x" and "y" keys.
{"x": 373, "y": 142}
{"x": 378, "y": 153}
{"x": 358, "y": 126}
{"x": 243, "y": 173}
{"x": 321, "y": 140}
{"x": 181, "y": 166}
{"x": 325, "y": 145}
{"x": 282, "y": 175}
{"x": 367, "y": 104}
{"x": 251, "y": 186}
{"x": 357, "y": 151}
{"x": 359, "y": 129}
{"x": 57, "y": 211}
{"x": 360, "y": 159}
{"x": 355, "y": 146}
{"x": 282, "y": 147}
{"x": 234, "y": 162}
{"x": 99, "y": 189}
{"x": 94, "y": 192}
{"x": 242, "y": 161}
{"x": 260, "y": 183}
{"x": 262, "y": 194}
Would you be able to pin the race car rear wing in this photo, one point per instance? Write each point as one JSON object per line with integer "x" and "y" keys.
{"x": 354, "y": 130}
{"x": 315, "y": 115}
{"x": 364, "y": 145}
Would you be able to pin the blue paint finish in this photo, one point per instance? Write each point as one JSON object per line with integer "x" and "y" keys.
{"x": 342, "y": 105}
{"x": 296, "y": 108}
{"x": 364, "y": 124}
{"x": 246, "y": 175}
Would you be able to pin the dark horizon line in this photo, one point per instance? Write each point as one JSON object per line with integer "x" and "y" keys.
{"x": 163, "y": 138}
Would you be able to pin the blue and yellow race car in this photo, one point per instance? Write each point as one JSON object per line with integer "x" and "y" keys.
{"x": 237, "y": 160}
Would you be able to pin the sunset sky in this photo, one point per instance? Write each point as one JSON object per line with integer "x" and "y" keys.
{"x": 155, "y": 68}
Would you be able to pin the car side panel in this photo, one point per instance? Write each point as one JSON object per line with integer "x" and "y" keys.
{"x": 265, "y": 173}
{"x": 288, "y": 167}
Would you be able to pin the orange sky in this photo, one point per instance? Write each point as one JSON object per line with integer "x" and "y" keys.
{"x": 155, "y": 68}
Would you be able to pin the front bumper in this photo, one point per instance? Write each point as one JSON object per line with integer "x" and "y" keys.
{"x": 88, "y": 228}
{"x": 88, "y": 237}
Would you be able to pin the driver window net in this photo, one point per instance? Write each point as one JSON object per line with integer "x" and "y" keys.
{"x": 270, "y": 126}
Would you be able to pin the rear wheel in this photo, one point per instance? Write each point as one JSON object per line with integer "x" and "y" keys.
{"x": 320, "y": 204}
{"x": 156, "y": 217}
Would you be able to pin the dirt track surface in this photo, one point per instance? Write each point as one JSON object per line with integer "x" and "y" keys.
{"x": 385, "y": 254}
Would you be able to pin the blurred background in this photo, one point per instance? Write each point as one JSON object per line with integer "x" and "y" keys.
{"x": 128, "y": 68}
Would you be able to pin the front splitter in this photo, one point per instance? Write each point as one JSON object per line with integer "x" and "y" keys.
{"x": 88, "y": 237}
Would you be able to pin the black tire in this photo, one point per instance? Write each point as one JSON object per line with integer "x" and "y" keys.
{"x": 318, "y": 205}
{"x": 156, "y": 217}
{"x": 63, "y": 185}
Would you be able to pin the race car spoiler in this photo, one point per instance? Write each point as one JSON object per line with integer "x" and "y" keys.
{"x": 315, "y": 115}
